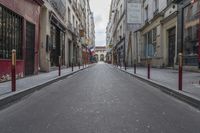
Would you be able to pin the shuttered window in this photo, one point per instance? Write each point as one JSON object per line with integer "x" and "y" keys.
{"x": 10, "y": 33}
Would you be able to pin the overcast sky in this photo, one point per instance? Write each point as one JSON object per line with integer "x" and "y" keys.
{"x": 101, "y": 14}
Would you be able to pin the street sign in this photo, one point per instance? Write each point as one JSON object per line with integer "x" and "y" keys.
{"x": 82, "y": 33}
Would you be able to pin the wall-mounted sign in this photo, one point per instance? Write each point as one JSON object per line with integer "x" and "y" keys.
{"x": 82, "y": 34}
{"x": 134, "y": 13}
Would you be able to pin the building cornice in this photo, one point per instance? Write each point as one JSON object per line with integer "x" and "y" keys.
{"x": 151, "y": 21}
{"x": 170, "y": 17}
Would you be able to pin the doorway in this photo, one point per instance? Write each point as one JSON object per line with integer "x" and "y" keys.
{"x": 171, "y": 46}
{"x": 30, "y": 49}
{"x": 55, "y": 51}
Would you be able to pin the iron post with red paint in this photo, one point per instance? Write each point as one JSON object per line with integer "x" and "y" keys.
{"x": 148, "y": 68}
{"x": 180, "y": 72}
{"x": 13, "y": 71}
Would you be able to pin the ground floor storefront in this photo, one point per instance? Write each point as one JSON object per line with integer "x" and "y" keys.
{"x": 20, "y": 31}
{"x": 189, "y": 33}
{"x": 150, "y": 45}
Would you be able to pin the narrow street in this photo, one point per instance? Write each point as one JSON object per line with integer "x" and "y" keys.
{"x": 100, "y": 99}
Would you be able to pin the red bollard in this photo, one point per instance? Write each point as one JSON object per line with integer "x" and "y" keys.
{"x": 180, "y": 71}
{"x": 149, "y": 75}
{"x": 148, "y": 69}
{"x": 13, "y": 71}
{"x": 59, "y": 66}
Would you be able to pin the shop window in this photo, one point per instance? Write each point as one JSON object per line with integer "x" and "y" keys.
{"x": 150, "y": 40}
{"x": 190, "y": 38}
{"x": 154, "y": 41}
{"x": 146, "y": 45}
{"x": 10, "y": 34}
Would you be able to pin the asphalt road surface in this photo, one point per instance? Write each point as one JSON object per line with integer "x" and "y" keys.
{"x": 100, "y": 99}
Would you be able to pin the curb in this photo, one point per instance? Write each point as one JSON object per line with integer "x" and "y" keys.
{"x": 14, "y": 96}
{"x": 183, "y": 96}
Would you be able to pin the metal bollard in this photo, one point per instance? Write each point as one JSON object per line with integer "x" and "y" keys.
{"x": 72, "y": 66}
{"x": 148, "y": 69}
{"x": 125, "y": 66}
{"x": 13, "y": 70}
{"x": 180, "y": 71}
{"x": 134, "y": 66}
{"x": 59, "y": 66}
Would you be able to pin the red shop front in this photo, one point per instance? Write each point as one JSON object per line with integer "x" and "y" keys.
{"x": 19, "y": 30}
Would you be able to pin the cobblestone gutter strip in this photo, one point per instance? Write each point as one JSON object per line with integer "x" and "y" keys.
{"x": 181, "y": 95}
{"x": 14, "y": 96}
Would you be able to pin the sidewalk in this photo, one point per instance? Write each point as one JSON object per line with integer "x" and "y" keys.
{"x": 169, "y": 79}
{"x": 28, "y": 82}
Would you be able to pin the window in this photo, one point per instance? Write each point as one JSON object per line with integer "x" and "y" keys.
{"x": 120, "y": 32}
{"x": 146, "y": 14}
{"x": 154, "y": 41}
{"x": 10, "y": 34}
{"x": 120, "y": 10}
{"x": 77, "y": 24}
{"x": 69, "y": 15}
{"x": 156, "y": 4}
{"x": 150, "y": 44}
{"x": 73, "y": 21}
{"x": 150, "y": 40}
{"x": 53, "y": 37}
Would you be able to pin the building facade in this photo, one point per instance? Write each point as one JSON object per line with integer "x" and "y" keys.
{"x": 19, "y": 25}
{"x": 168, "y": 27}
{"x": 45, "y": 34}
{"x": 53, "y": 31}
{"x": 65, "y": 30}
{"x": 153, "y": 32}
{"x": 116, "y": 31}
{"x": 100, "y": 53}
{"x": 120, "y": 30}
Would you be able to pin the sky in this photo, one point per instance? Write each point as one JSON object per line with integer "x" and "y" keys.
{"x": 101, "y": 14}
